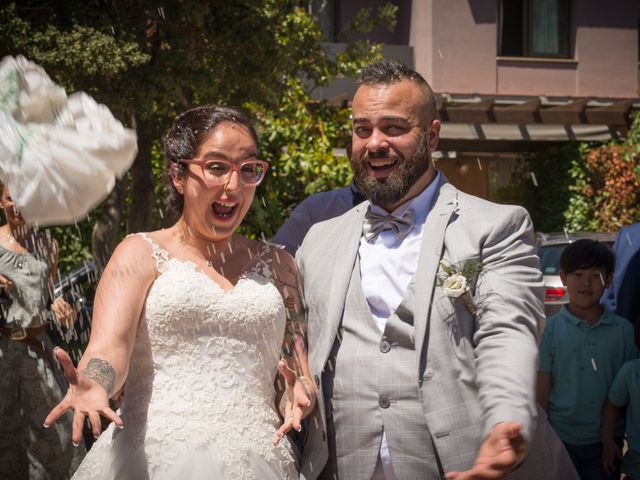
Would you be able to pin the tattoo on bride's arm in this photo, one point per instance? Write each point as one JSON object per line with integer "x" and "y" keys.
{"x": 101, "y": 372}
{"x": 295, "y": 338}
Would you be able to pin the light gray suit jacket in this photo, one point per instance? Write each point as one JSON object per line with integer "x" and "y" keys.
{"x": 472, "y": 372}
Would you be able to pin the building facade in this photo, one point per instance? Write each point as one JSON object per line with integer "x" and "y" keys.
{"x": 510, "y": 75}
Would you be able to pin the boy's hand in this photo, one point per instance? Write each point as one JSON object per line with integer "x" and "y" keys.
{"x": 611, "y": 455}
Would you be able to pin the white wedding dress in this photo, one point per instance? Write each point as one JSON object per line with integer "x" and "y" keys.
{"x": 199, "y": 398}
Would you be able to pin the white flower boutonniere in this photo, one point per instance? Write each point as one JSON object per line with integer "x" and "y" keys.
{"x": 457, "y": 281}
{"x": 455, "y": 285}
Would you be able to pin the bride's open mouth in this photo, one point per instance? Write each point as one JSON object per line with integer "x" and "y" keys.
{"x": 224, "y": 210}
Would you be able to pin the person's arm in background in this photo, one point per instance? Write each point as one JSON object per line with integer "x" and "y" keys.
{"x": 543, "y": 390}
{"x": 611, "y": 453}
{"x": 545, "y": 364}
{"x": 65, "y": 314}
{"x": 617, "y": 398}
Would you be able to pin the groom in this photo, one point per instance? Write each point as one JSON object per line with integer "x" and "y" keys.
{"x": 417, "y": 380}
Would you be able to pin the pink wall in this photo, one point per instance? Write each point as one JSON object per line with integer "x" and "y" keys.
{"x": 455, "y": 48}
{"x": 607, "y": 48}
{"x": 534, "y": 77}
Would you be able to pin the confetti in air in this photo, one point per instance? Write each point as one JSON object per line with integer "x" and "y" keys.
{"x": 534, "y": 179}
{"x": 479, "y": 163}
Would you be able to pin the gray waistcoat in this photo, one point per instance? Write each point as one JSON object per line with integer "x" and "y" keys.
{"x": 370, "y": 383}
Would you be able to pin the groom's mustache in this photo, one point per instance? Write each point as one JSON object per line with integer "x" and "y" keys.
{"x": 380, "y": 154}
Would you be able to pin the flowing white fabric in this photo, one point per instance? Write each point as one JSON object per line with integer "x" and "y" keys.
{"x": 59, "y": 155}
{"x": 199, "y": 397}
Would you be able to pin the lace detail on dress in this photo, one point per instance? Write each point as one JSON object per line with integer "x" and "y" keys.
{"x": 160, "y": 255}
{"x": 200, "y": 392}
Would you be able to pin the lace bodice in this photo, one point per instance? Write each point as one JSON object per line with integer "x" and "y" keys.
{"x": 203, "y": 369}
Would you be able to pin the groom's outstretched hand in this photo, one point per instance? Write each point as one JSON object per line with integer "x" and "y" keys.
{"x": 499, "y": 454}
{"x": 298, "y": 400}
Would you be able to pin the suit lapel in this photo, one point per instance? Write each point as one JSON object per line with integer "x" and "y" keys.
{"x": 345, "y": 248}
{"x": 445, "y": 206}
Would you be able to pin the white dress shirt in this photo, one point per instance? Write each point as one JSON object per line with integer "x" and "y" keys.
{"x": 387, "y": 266}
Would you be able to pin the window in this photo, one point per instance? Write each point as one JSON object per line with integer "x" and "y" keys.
{"x": 534, "y": 28}
{"x": 325, "y": 12}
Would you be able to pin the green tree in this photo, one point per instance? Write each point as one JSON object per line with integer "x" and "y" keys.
{"x": 581, "y": 187}
{"x": 541, "y": 184}
{"x": 605, "y": 195}
{"x": 149, "y": 62}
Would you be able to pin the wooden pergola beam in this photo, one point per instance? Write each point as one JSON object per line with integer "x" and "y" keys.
{"x": 615, "y": 114}
{"x": 570, "y": 114}
{"x": 473, "y": 112}
{"x": 522, "y": 113}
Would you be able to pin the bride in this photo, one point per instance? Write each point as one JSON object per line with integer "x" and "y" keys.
{"x": 193, "y": 318}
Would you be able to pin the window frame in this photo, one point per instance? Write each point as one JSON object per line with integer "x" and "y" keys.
{"x": 527, "y": 31}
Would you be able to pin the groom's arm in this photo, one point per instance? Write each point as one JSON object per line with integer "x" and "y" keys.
{"x": 509, "y": 292}
{"x": 510, "y": 309}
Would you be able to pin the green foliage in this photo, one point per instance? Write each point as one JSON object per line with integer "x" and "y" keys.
{"x": 541, "y": 184}
{"x": 82, "y": 48}
{"x": 581, "y": 187}
{"x": 149, "y": 62}
{"x": 298, "y": 140}
{"x": 298, "y": 135}
{"x": 74, "y": 242}
{"x": 606, "y": 190}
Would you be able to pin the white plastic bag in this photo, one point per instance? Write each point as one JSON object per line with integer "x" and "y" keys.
{"x": 59, "y": 155}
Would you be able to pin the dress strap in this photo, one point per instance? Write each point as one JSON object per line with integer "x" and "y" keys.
{"x": 160, "y": 255}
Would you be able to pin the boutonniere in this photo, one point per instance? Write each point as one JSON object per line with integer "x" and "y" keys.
{"x": 456, "y": 281}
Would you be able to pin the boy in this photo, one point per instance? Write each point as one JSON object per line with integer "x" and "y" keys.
{"x": 581, "y": 350}
{"x": 625, "y": 391}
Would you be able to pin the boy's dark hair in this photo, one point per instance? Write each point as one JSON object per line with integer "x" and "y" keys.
{"x": 587, "y": 253}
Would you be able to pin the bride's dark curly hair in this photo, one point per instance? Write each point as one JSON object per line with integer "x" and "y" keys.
{"x": 182, "y": 141}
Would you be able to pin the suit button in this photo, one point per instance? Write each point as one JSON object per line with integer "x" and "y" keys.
{"x": 324, "y": 436}
{"x": 385, "y": 346}
{"x": 383, "y": 401}
{"x": 317, "y": 379}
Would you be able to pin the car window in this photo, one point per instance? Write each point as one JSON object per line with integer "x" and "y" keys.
{"x": 550, "y": 258}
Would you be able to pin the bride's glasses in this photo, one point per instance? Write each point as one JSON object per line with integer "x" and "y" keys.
{"x": 218, "y": 172}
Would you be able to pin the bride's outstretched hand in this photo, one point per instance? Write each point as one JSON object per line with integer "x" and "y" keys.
{"x": 85, "y": 397}
{"x": 298, "y": 400}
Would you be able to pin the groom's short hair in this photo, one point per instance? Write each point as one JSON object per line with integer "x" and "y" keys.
{"x": 389, "y": 72}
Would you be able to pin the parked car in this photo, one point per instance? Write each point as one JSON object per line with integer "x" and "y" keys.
{"x": 78, "y": 288}
{"x": 550, "y": 246}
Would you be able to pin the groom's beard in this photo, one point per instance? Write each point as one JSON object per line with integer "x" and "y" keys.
{"x": 390, "y": 190}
